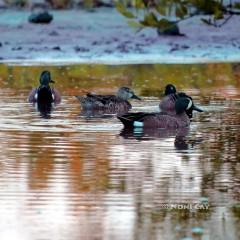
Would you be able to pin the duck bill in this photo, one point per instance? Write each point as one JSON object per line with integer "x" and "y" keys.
{"x": 197, "y": 109}
{"x": 136, "y": 97}
{"x": 51, "y": 81}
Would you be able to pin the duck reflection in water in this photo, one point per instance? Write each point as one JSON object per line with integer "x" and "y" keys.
{"x": 147, "y": 134}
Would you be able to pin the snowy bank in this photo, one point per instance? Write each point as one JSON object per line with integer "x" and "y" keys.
{"x": 103, "y": 36}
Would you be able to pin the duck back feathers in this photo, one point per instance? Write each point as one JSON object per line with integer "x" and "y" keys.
{"x": 154, "y": 120}
{"x": 112, "y": 103}
{"x": 109, "y": 102}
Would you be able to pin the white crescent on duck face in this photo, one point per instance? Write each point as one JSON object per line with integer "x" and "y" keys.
{"x": 189, "y": 104}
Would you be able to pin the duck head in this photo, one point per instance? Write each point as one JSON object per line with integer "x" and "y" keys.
{"x": 170, "y": 89}
{"x": 45, "y": 78}
{"x": 126, "y": 93}
{"x": 185, "y": 104}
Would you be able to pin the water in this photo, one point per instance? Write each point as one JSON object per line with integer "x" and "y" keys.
{"x": 69, "y": 176}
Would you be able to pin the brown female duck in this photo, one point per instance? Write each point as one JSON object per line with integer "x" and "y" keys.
{"x": 111, "y": 103}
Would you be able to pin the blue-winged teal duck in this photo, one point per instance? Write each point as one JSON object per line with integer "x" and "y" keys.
{"x": 112, "y": 103}
{"x": 44, "y": 94}
{"x": 184, "y": 107}
{"x": 167, "y": 104}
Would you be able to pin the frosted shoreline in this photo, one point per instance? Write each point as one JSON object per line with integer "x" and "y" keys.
{"x": 103, "y": 37}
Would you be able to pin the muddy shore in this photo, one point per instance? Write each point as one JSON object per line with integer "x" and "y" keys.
{"x": 103, "y": 36}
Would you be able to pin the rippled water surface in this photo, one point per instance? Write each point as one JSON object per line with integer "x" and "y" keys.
{"x": 71, "y": 176}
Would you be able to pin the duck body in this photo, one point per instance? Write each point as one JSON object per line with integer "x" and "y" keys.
{"x": 44, "y": 94}
{"x": 167, "y": 105}
{"x": 109, "y": 103}
{"x": 183, "y": 112}
{"x": 154, "y": 120}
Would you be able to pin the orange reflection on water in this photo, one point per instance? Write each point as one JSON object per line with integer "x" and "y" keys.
{"x": 75, "y": 177}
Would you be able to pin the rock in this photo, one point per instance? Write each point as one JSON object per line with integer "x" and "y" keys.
{"x": 81, "y": 49}
{"x": 173, "y": 49}
{"x": 40, "y": 18}
{"x": 185, "y": 47}
{"x": 57, "y": 48}
{"x": 177, "y": 47}
{"x": 123, "y": 48}
{"x": 54, "y": 33}
{"x": 173, "y": 30}
{"x": 95, "y": 43}
{"x": 16, "y": 48}
{"x": 108, "y": 51}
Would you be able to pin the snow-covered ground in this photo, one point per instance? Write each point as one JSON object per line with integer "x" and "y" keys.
{"x": 103, "y": 36}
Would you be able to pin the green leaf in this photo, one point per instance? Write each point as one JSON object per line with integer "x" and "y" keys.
{"x": 218, "y": 14}
{"x": 161, "y": 10}
{"x": 164, "y": 23}
{"x": 236, "y": 5}
{"x": 138, "y": 4}
{"x": 121, "y": 8}
{"x": 150, "y": 20}
{"x": 135, "y": 24}
{"x": 184, "y": 9}
{"x": 179, "y": 13}
{"x": 181, "y": 10}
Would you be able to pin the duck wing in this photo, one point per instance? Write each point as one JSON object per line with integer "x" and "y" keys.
{"x": 152, "y": 120}
{"x": 56, "y": 96}
{"x": 31, "y": 96}
{"x": 104, "y": 99}
{"x": 128, "y": 119}
{"x": 168, "y": 103}
{"x": 94, "y": 101}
